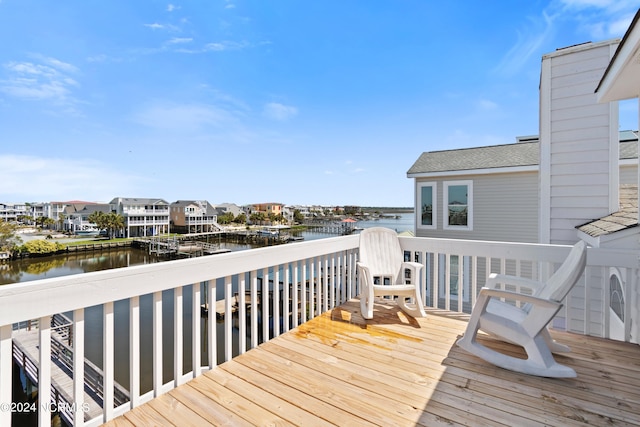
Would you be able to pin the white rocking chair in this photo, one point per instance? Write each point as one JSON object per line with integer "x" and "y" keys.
{"x": 381, "y": 261}
{"x": 525, "y": 326}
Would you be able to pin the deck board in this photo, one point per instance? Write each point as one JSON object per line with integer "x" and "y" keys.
{"x": 339, "y": 369}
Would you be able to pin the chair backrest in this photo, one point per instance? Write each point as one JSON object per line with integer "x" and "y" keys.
{"x": 380, "y": 251}
{"x": 566, "y": 276}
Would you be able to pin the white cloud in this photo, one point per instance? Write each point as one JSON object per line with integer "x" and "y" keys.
{"x": 281, "y": 112}
{"x": 180, "y": 40}
{"x": 172, "y": 7}
{"x": 225, "y": 45}
{"x": 49, "y": 80}
{"x": 60, "y": 179}
{"x": 184, "y": 117}
{"x": 155, "y": 26}
{"x": 485, "y": 104}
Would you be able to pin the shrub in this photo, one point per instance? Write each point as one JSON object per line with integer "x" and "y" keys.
{"x": 41, "y": 247}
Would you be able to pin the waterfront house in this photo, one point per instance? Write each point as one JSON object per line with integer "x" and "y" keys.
{"x": 11, "y": 211}
{"x": 77, "y": 216}
{"x": 142, "y": 216}
{"x": 194, "y": 216}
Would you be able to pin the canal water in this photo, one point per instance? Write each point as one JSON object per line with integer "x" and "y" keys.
{"x": 82, "y": 262}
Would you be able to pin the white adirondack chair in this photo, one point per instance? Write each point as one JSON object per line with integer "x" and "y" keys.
{"x": 381, "y": 272}
{"x": 526, "y": 325}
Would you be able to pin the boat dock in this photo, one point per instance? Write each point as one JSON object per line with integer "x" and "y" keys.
{"x": 27, "y": 356}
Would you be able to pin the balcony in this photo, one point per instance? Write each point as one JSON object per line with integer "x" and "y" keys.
{"x": 317, "y": 361}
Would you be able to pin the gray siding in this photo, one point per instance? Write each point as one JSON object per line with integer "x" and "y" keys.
{"x": 629, "y": 174}
{"x": 505, "y": 208}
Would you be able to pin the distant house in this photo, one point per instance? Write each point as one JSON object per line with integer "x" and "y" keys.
{"x": 267, "y": 208}
{"x": 231, "y": 208}
{"x": 194, "y": 216}
{"x": 77, "y": 217}
{"x": 11, "y": 211}
{"x": 142, "y": 217}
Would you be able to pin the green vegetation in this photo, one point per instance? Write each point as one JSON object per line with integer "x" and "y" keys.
{"x": 9, "y": 241}
{"x": 107, "y": 221}
{"x": 41, "y": 247}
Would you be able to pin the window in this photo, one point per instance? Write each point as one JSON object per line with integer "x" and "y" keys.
{"x": 426, "y": 202}
{"x": 458, "y": 207}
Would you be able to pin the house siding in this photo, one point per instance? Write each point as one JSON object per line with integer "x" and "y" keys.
{"x": 575, "y": 137}
{"x": 505, "y": 208}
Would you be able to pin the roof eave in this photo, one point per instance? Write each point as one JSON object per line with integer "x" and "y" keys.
{"x": 624, "y": 68}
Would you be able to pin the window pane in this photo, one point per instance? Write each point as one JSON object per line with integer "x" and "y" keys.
{"x": 426, "y": 198}
{"x": 457, "y": 205}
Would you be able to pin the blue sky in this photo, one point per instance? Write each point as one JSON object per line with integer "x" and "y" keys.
{"x": 299, "y": 102}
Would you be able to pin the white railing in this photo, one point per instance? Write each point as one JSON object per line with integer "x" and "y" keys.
{"x": 288, "y": 284}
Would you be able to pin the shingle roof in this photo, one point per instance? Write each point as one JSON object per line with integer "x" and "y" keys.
{"x": 495, "y": 156}
{"x": 626, "y": 217}
{"x": 524, "y": 153}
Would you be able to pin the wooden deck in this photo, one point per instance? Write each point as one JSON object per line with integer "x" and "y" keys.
{"x": 339, "y": 369}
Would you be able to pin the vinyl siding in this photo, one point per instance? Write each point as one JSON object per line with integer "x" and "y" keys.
{"x": 629, "y": 174}
{"x": 505, "y": 208}
{"x": 577, "y": 139}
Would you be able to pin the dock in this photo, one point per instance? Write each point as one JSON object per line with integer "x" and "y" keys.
{"x": 27, "y": 356}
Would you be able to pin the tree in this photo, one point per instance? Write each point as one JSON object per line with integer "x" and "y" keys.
{"x": 241, "y": 219}
{"x": 297, "y": 216}
{"x": 9, "y": 240}
{"x": 107, "y": 221}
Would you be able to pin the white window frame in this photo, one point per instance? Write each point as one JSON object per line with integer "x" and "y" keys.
{"x": 434, "y": 210}
{"x": 445, "y": 205}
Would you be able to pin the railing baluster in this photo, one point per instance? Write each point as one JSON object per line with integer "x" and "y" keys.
{"x": 312, "y": 296}
{"x": 44, "y": 372}
{"x": 212, "y": 336}
{"x": 108, "y": 349}
{"x": 286, "y": 297}
{"x": 276, "y": 300}
{"x": 303, "y": 292}
{"x": 6, "y": 352}
{"x": 157, "y": 344}
{"x": 254, "y": 308}
{"x": 177, "y": 336}
{"x": 228, "y": 319}
{"x": 78, "y": 366}
{"x": 196, "y": 333}
{"x": 134, "y": 351}
{"x": 265, "y": 304}
{"x": 294, "y": 290}
{"x": 461, "y": 282}
{"x": 447, "y": 282}
{"x": 242, "y": 313}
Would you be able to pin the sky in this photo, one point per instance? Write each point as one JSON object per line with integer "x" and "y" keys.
{"x": 298, "y": 102}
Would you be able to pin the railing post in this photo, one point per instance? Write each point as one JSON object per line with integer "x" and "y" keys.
{"x": 44, "y": 373}
{"x": 195, "y": 330}
{"x": 157, "y": 343}
{"x": 6, "y": 352}
{"x": 177, "y": 336}
{"x": 212, "y": 336}
{"x": 134, "y": 351}
{"x": 78, "y": 366}
{"x": 228, "y": 319}
{"x": 108, "y": 361}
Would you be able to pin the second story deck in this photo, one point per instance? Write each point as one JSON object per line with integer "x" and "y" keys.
{"x": 298, "y": 351}
{"x": 339, "y": 369}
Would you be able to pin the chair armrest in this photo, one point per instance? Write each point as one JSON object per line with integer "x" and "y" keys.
{"x": 416, "y": 266}
{"x": 495, "y": 278}
{"x": 501, "y": 293}
{"x": 538, "y": 317}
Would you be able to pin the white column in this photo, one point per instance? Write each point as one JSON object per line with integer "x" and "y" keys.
{"x": 5, "y": 373}
{"x": 78, "y": 366}
{"x": 44, "y": 373}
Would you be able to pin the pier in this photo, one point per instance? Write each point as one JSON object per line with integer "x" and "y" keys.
{"x": 26, "y": 355}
